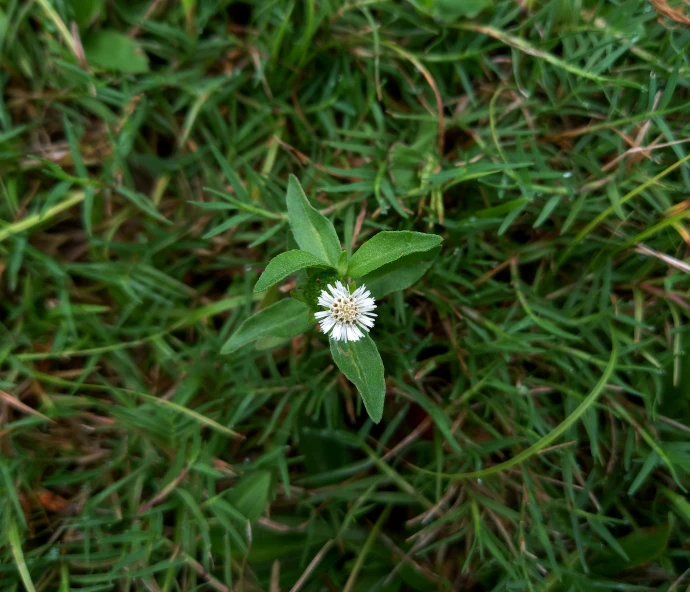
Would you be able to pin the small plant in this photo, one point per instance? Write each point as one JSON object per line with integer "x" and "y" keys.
{"x": 338, "y": 292}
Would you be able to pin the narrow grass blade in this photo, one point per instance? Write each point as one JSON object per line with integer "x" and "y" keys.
{"x": 553, "y": 435}
{"x": 18, "y": 554}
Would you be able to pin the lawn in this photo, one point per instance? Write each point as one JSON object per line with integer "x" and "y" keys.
{"x": 536, "y": 428}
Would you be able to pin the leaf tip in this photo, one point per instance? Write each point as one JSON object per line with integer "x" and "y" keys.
{"x": 376, "y": 418}
{"x": 228, "y": 348}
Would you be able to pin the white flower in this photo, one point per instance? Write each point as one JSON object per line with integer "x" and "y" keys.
{"x": 346, "y": 313}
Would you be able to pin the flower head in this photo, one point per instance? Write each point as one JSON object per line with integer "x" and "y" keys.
{"x": 346, "y": 313}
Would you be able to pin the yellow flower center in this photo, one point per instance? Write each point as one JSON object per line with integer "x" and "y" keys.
{"x": 344, "y": 309}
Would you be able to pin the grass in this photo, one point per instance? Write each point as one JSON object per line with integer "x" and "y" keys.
{"x": 536, "y": 428}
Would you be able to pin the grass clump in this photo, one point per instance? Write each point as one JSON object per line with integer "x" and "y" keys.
{"x": 535, "y": 432}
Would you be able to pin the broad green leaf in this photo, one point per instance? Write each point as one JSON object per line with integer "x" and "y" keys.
{"x": 267, "y": 343}
{"x": 342, "y": 263}
{"x": 251, "y": 494}
{"x": 286, "y": 318}
{"x": 386, "y": 247}
{"x": 111, "y": 50}
{"x": 86, "y": 11}
{"x": 313, "y": 232}
{"x": 399, "y": 274}
{"x": 641, "y": 546}
{"x": 284, "y": 265}
{"x": 361, "y": 363}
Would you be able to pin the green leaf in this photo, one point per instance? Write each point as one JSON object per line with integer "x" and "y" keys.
{"x": 142, "y": 202}
{"x": 342, "y": 263}
{"x": 313, "y": 232}
{"x": 387, "y": 247}
{"x": 4, "y": 22}
{"x": 284, "y": 265}
{"x": 111, "y": 50}
{"x": 641, "y": 546}
{"x": 448, "y": 11}
{"x": 251, "y": 494}
{"x": 189, "y": 8}
{"x": 400, "y": 274}
{"x": 286, "y": 318}
{"x": 86, "y": 11}
{"x": 361, "y": 363}
{"x": 19, "y": 561}
{"x": 230, "y": 175}
{"x": 195, "y": 415}
{"x": 228, "y": 224}
{"x": 680, "y": 502}
{"x": 451, "y": 10}
{"x": 268, "y": 343}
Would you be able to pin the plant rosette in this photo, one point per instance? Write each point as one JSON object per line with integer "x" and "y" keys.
{"x": 339, "y": 292}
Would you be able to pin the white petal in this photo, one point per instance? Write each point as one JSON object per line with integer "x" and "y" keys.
{"x": 327, "y": 325}
{"x": 322, "y": 315}
{"x": 326, "y": 298}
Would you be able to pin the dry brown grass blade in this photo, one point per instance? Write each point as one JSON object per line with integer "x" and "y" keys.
{"x": 23, "y": 407}
{"x": 665, "y": 10}
{"x": 312, "y": 566}
{"x": 165, "y": 492}
{"x": 434, "y": 87}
